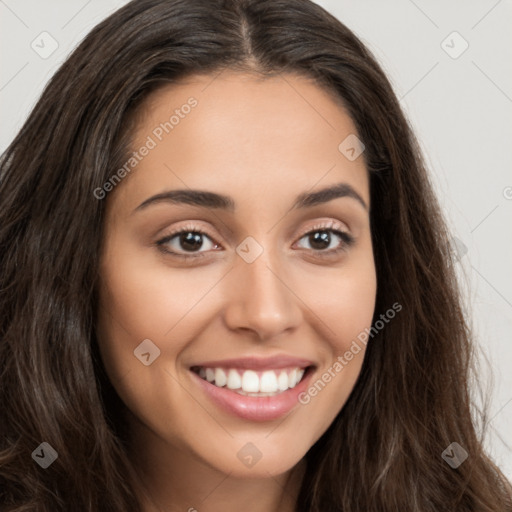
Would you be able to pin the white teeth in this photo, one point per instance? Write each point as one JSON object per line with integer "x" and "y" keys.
{"x": 282, "y": 381}
{"x": 210, "y": 374}
{"x": 220, "y": 377}
{"x": 234, "y": 379}
{"x": 292, "y": 378}
{"x": 268, "y": 382}
{"x": 250, "y": 382}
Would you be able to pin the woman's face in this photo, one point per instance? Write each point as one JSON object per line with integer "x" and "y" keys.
{"x": 257, "y": 290}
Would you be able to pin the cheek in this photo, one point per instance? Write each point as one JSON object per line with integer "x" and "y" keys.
{"x": 141, "y": 298}
{"x": 343, "y": 298}
{"x": 343, "y": 302}
{"x": 147, "y": 298}
{"x": 346, "y": 310}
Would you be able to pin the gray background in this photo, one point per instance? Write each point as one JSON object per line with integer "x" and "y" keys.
{"x": 459, "y": 104}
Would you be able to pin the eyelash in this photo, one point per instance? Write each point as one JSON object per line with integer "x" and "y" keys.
{"x": 347, "y": 240}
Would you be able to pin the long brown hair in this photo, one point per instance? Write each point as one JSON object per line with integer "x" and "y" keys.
{"x": 411, "y": 401}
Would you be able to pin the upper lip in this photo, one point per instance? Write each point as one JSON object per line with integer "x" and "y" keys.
{"x": 258, "y": 363}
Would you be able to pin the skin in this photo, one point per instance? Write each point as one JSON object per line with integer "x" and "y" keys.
{"x": 262, "y": 142}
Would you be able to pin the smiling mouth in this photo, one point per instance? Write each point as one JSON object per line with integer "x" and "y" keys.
{"x": 253, "y": 383}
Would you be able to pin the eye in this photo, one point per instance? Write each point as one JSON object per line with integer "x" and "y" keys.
{"x": 327, "y": 239}
{"x": 187, "y": 240}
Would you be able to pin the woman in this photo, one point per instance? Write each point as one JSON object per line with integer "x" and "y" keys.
{"x": 226, "y": 282}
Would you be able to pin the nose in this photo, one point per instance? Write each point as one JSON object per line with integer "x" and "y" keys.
{"x": 261, "y": 299}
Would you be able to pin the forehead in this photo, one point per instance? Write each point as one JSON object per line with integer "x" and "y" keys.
{"x": 242, "y": 132}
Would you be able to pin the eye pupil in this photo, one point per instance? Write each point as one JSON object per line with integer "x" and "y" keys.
{"x": 322, "y": 238}
{"x": 191, "y": 240}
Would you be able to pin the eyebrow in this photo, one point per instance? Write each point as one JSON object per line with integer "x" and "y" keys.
{"x": 213, "y": 200}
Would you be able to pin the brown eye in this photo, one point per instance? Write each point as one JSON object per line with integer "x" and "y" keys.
{"x": 320, "y": 240}
{"x": 328, "y": 240}
{"x": 189, "y": 241}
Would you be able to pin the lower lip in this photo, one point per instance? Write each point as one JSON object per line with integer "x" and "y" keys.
{"x": 264, "y": 408}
